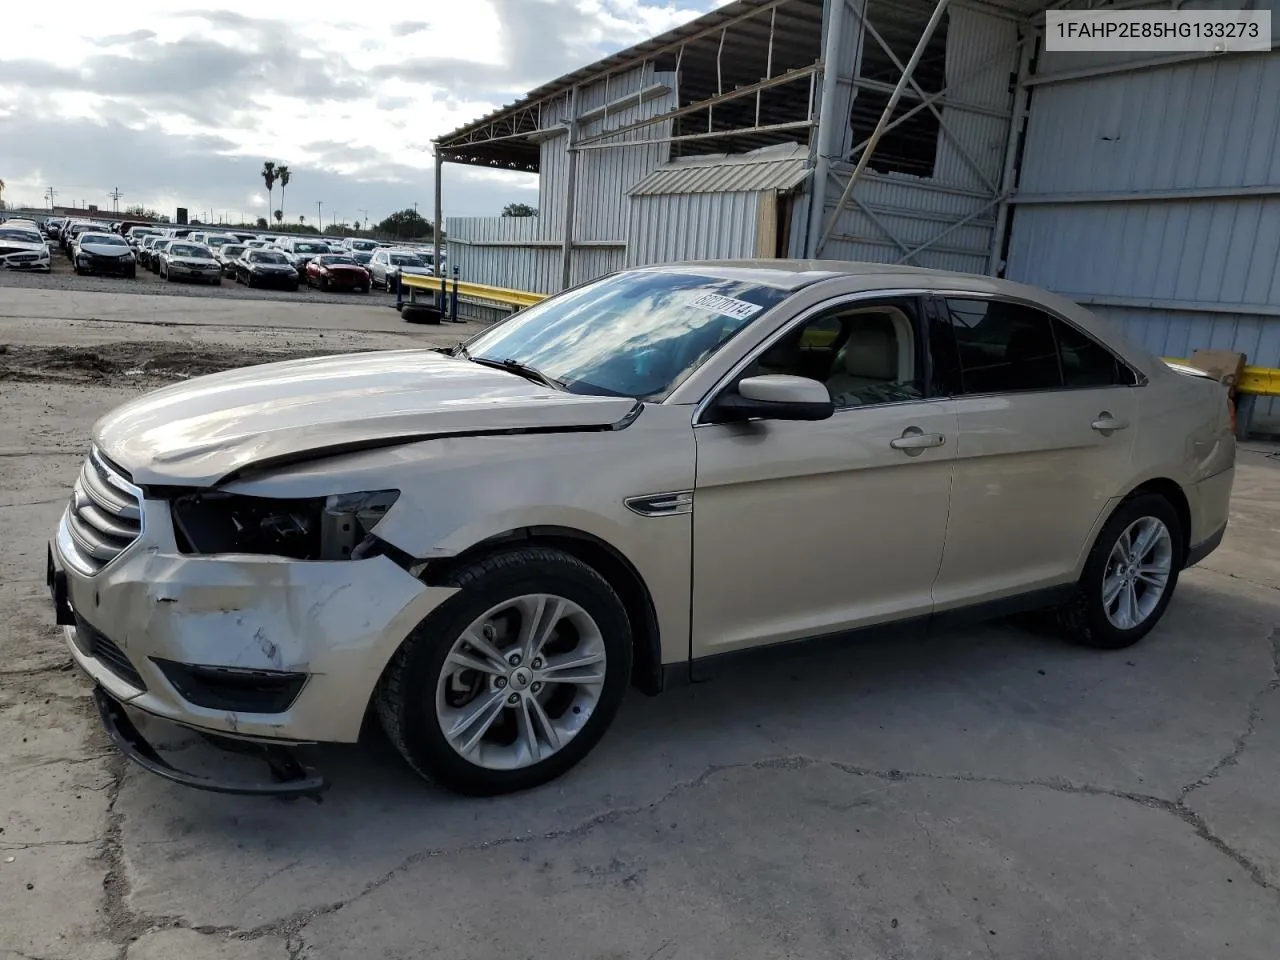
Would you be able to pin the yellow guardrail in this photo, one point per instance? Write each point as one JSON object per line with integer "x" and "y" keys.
{"x": 473, "y": 291}
{"x": 1260, "y": 381}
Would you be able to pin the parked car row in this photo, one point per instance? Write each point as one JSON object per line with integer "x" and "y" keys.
{"x": 192, "y": 253}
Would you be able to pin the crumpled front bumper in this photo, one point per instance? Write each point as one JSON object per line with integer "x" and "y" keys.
{"x": 336, "y": 623}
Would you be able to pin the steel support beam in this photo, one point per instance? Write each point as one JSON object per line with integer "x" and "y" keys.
{"x": 826, "y": 139}
{"x": 571, "y": 193}
{"x": 942, "y": 124}
{"x": 883, "y": 122}
{"x": 1008, "y": 176}
{"x": 439, "y": 222}
{"x": 1148, "y": 196}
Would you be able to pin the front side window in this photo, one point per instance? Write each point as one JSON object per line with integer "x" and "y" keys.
{"x": 996, "y": 346}
{"x": 865, "y": 353}
{"x": 636, "y": 334}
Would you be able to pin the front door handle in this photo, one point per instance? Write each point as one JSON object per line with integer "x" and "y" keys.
{"x": 913, "y": 438}
{"x": 1107, "y": 424}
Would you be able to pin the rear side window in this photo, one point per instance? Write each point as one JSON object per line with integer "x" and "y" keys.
{"x": 993, "y": 346}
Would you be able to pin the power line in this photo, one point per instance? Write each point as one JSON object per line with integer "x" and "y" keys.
{"x": 115, "y": 196}
{"x": 51, "y": 193}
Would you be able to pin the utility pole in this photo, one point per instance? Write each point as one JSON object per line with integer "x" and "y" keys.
{"x": 50, "y": 193}
{"x": 115, "y": 196}
{"x": 319, "y": 217}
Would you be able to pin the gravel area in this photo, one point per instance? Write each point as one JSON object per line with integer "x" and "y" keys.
{"x": 146, "y": 282}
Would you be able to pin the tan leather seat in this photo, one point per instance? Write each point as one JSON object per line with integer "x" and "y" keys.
{"x": 868, "y": 358}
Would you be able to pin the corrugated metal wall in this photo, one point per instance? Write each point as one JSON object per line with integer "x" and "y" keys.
{"x": 525, "y": 254}
{"x": 692, "y": 226}
{"x": 908, "y": 211}
{"x": 1176, "y": 272}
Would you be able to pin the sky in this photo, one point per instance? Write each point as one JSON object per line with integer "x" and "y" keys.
{"x": 178, "y": 103}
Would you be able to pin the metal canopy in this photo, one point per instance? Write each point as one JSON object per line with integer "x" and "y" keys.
{"x": 731, "y": 47}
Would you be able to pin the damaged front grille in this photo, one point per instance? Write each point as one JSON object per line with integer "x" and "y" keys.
{"x": 104, "y": 516}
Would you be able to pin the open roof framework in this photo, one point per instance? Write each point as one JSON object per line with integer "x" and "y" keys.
{"x": 751, "y": 74}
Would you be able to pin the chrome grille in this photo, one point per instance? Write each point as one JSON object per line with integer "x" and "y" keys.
{"x": 104, "y": 516}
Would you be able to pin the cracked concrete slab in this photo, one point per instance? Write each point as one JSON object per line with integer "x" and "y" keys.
{"x": 190, "y": 945}
{"x": 850, "y": 865}
{"x": 882, "y": 799}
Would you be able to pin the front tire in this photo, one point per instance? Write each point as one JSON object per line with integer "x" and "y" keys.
{"x": 1129, "y": 577}
{"x": 514, "y": 679}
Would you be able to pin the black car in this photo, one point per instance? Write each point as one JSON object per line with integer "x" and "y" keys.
{"x": 266, "y": 268}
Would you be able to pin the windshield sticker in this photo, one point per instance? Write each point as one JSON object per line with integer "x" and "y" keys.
{"x": 727, "y": 306}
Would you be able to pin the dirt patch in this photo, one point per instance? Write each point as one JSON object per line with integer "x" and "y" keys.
{"x": 124, "y": 363}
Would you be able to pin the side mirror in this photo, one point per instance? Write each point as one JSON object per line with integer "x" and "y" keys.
{"x": 775, "y": 397}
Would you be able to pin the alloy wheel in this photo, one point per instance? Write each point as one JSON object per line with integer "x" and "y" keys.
{"x": 1137, "y": 573}
{"x": 521, "y": 681}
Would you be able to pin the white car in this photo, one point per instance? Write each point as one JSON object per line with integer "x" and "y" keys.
{"x": 103, "y": 253}
{"x": 23, "y": 248}
{"x": 485, "y": 546}
{"x": 388, "y": 263}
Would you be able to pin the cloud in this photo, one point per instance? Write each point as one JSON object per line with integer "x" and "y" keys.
{"x": 179, "y": 102}
{"x": 118, "y": 39}
{"x": 203, "y": 171}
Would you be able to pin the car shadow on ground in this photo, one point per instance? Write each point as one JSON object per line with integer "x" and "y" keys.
{"x": 996, "y": 700}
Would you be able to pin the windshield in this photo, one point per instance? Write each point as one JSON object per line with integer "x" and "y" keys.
{"x": 631, "y": 335}
{"x": 216, "y": 242}
{"x": 266, "y": 256}
{"x": 336, "y": 260}
{"x": 310, "y": 248}
{"x": 105, "y": 239}
{"x": 232, "y": 250}
{"x": 190, "y": 250}
{"x": 26, "y": 236}
{"x": 364, "y": 244}
{"x": 406, "y": 260}
{"x": 362, "y": 256}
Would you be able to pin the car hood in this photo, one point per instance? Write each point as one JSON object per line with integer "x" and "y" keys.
{"x": 193, "y": 261}
{"x": 269, "y": 267}
{"x": 22, "y": 246}
{"x": 202, "y": 431}
{"x": 105, "y": 249}
{"x": 421, "y": 271}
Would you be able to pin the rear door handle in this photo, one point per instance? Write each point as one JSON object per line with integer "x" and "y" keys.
{"x": 913, "y": 439}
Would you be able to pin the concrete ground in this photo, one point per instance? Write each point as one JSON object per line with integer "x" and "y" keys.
{"x": 987, "y": 793}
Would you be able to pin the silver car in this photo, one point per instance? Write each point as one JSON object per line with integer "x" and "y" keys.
{"x": 485, "y": 547}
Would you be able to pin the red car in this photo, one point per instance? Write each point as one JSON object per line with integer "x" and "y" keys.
{"x": 334, "y": 271}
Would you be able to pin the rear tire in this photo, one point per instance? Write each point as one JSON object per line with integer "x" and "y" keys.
{"x": 409, "y": 695}
{"x": 1123, "y": 592}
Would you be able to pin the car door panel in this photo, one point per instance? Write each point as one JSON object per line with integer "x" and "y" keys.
{"x": 1033, "y": 472}
{"x": 802, "y": 529}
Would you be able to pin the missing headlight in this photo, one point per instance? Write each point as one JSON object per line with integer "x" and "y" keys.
{"x": 316, "y": 528}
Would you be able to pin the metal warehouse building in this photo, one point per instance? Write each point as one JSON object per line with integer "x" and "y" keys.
{"x": 1145, "y": 186}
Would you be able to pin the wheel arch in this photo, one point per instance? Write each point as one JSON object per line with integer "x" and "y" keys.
{"x": 1171, "y": 491}
{"x": 608, "y": 561}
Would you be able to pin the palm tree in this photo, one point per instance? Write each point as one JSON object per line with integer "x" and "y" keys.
{"x": 279, "y": 215}
{"x": 1, "y": 194}
{"x": 282, "y": 173}
{"x": 269, "y": 178}
{"x": 301, "y": 218}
